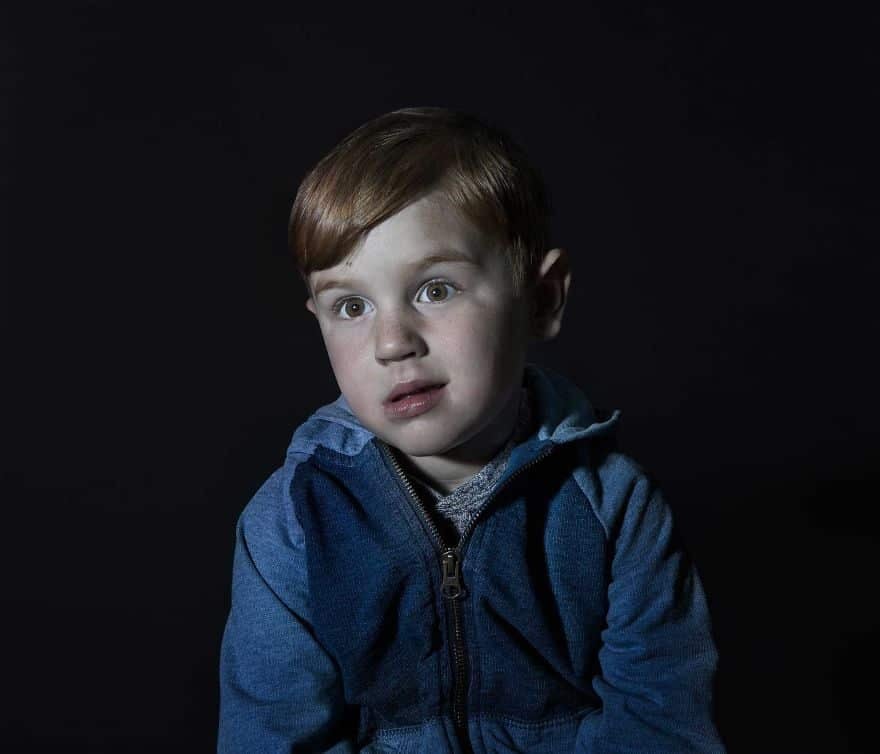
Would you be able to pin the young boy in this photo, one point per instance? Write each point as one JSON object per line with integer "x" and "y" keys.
{"x": 453, "y": 557}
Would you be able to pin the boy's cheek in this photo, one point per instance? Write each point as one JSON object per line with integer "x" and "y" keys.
{"x": 340, "y": 345}
{"x": 349, "y": 368}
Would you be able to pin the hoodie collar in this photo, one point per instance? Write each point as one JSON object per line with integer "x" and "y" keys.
{"x": 563, "y": 413}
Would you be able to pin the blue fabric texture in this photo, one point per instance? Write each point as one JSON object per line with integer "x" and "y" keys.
{"x": 582, "y": 626}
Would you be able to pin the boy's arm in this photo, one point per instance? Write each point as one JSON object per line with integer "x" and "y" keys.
{"x": 279, "y": 690}
{"x": 657, "y": 657}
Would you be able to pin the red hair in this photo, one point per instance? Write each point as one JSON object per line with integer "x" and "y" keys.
{"x": 391, "y": 161}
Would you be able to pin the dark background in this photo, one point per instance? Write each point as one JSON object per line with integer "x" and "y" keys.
{"x": 712, "y": 176}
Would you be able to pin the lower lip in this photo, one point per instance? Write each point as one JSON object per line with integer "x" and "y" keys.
{"x": 415, "y": 404}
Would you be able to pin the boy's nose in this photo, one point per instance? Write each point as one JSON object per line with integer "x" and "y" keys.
{"x": 397, "y": 338}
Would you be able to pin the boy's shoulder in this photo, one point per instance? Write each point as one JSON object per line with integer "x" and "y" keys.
{"x": 332, "y": 428}
{"x": 617, "y": 488}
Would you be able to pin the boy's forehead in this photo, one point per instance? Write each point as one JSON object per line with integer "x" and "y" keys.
{"x": 427, "y": 232}
{"x": 430, "y": 221}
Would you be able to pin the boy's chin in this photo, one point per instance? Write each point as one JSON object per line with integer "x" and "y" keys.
{"x": 418, "y": 442}
{"x": 417, "y": 448}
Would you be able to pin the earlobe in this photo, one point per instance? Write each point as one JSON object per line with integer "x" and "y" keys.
{"x": 551, "y": 292}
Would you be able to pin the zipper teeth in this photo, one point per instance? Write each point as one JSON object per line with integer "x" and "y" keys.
{"x": 459, "y": 658}
{"x": 459, "y": 714}
{"x": 460, "y": 670}
{"x": 411, "y": 491}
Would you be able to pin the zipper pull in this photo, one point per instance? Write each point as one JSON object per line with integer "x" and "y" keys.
{"x": 452, "y": 587}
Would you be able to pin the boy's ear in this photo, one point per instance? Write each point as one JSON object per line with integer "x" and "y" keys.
{"x": 310, "y": 305}
{"x": 550, "y": 293}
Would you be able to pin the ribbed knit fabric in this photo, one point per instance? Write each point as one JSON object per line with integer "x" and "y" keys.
{"x": 459, "y": 506}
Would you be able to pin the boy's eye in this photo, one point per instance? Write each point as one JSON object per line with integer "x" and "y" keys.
{"x": 435, "y": 291}
{"x": 351, "y": 308}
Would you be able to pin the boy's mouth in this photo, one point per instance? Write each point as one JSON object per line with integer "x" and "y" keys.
{"x": 405, "y": 389}
{"x": 409, "y": 399}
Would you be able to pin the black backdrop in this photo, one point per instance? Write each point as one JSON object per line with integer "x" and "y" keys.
{"x": 712, "y": 179}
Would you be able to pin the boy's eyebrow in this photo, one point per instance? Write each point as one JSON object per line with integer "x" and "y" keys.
{"x": 325, "y": 284}
{"x": 444, "y": 255}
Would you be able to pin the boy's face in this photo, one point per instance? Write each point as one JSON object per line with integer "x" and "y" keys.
{"x": 426, "y": 299}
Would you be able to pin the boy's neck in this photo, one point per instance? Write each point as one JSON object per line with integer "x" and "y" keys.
{"x": 449, "y": 471}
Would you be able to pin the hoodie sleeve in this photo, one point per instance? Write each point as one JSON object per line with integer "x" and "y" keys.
{"x": 279, "y": 690}
{"x": 657, "y": 659}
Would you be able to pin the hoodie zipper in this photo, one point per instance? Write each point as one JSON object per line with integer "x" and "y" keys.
{"x": 452, "y": 587}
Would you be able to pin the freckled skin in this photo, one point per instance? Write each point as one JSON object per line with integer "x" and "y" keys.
{"x": 470, "y": 333}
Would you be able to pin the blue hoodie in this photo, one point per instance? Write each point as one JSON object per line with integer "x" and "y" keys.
{"x": 566, "y": 619}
